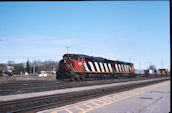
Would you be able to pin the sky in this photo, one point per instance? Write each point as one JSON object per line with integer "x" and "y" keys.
{"x": 131, "y": 31}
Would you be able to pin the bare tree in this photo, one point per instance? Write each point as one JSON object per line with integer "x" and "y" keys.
{"x": 38, "y": 65}
{"x": 10, "y": 63}
{"x": 19, "y": 68}
{"x": 3, "y": 67}
{"x": 152, "y": 67}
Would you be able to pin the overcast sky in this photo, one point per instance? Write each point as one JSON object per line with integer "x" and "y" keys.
{"x": 136, "y": 31}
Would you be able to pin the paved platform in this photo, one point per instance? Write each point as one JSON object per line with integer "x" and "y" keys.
{"x": 68, "y": 90}
{"x": 149, "y": 99}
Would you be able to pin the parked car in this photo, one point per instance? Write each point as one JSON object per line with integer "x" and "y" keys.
{"x": 1, "y": 75}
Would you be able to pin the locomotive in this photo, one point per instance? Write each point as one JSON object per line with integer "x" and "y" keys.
{"x": 80, "y": 67}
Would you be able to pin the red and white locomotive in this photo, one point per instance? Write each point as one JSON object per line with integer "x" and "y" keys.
{"x": 79, "y": 67}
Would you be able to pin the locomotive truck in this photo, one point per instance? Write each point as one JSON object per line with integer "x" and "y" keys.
{"x": 81, "y": 67}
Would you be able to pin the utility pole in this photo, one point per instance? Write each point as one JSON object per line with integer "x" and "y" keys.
{"x": 150, "y": 63}
{"x": 140, "y": 64}
{"x": 34, "y": 66}
{"x": 129, "y": 59}
{"x": 67, "y": 48}
{"x": 51, "y": 67}
{"x": 161, "y": 63}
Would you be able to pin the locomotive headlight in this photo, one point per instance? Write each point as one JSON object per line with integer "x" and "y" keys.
{"x": 80, "y": 63}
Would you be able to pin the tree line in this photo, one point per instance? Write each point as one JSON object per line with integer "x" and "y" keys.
{"x": 29, "y": 66}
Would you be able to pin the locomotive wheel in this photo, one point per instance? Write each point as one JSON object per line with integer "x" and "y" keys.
{"x": 77, "y": 77}
{"x": 83, "y": 78}
{"x": 72, "y": 78}
{"x": 104, "y": 76}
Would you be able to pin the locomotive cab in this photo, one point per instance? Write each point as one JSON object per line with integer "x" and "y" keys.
{"x": 70, "y": 65}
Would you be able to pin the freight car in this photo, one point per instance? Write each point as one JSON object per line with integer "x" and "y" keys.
{"x": 163, "y": 71}
{"x": 80, "y": 67}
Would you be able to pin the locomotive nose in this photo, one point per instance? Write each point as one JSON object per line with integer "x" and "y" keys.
{"x": 62, "y": 65}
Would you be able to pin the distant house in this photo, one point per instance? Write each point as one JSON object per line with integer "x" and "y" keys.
{"x": 10, "y": 68}
{"x": 45, "y": 72}
{"x": 26, "y": 73}
{"x": 150, "y": 71}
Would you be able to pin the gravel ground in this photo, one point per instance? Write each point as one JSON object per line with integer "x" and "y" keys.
{"x": 26, "y": 77}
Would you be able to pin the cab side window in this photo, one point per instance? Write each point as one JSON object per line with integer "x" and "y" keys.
{"x": 75, "y": 57}
{"x": 80, "y": 58}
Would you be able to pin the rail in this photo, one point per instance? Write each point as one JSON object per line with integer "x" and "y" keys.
{"x": 61, "y": 99}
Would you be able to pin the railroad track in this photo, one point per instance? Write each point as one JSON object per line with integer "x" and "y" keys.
{"x": 30, "y": 87}
{"x": 26, "y": 84}
{"x": 42, "y": 103}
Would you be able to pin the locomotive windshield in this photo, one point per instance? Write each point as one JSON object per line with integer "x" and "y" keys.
{"x": 70, "y": 57}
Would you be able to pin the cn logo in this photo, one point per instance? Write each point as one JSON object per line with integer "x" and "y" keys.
{"x": 80, "y": 63}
